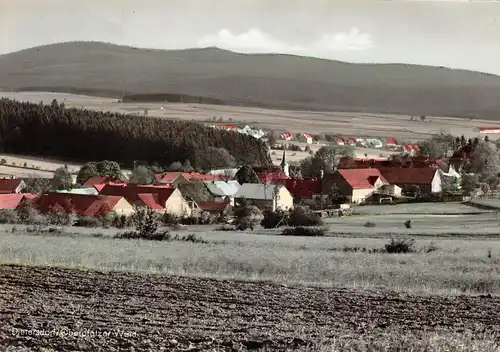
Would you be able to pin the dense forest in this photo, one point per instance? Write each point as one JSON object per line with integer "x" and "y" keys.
{"x": 86, "y": 135}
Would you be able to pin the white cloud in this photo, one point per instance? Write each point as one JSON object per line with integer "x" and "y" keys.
{"x": 256, "y": 41}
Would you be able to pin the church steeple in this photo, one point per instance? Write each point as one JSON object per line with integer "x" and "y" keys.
{"x": 284, "y": 164}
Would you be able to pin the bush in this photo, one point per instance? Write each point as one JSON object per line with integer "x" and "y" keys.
{"x": 89, "y": 221}
{"x": 8, "y": 216}
{"x": 136, "y": 235}
{"x": 60, "y": 218}
{"x": 226, "y": 228}
{"x": 122, "y": 221}
{"x": 28, "y": 215}
{"x": 274, "y": 219}
{"x": 304, "y": 231}
{"x": 401, "y": 246}
{"x": 369, "y": 224}
{"x": 303, "y": 216}
{"x": 146, "y": 222}
{"x": 169, "y": 219}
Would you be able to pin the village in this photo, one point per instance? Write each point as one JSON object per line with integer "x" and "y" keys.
{"x": 404, "y": 176}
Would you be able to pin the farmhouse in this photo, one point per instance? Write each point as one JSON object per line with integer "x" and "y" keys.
{"x": 161, "y": 198}
{"x": 11, "y": 185}
{"x": 374, "y": 142}
{"x": 428, "y": 179}
{"x": 287, "y": 136}
{"x": 303, "y": 190}
{"x": 339, "y": 141}
{"x": 306, "y": 138}
{"x": 356, "y": 185}
{"x": 88, "y": 205}
{"x": 351, "y": 141}
{"x": 391, "y": 143}
{"x": 223, "y": 191}
{"x": 274, "y": 196}
{"x": 489, "y": 129}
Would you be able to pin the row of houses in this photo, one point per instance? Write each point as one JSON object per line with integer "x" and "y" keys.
{"x": 254, "y": 132}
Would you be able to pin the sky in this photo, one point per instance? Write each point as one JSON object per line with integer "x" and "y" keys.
{"x": 452, "y": 33}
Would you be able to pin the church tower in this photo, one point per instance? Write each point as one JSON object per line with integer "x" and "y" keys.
{"x": 284, "y": 164}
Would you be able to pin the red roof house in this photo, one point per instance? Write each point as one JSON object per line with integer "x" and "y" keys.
{"x": 215, "y": 207}
{"x": 339, "y": 140}
{"x": 11, "y": 185}
{"x": 161, "y": 198}
{"x": 391, "y": 142}
{"x": 271, "y": 174}
{"x": 82, "y": 204}
{"x": 351, "y": 141}
{"x": 12, "y": 201}
{"x": 303, "y": 188}
{"x": 356, "y": 185}
{"x": 427, "y": 178}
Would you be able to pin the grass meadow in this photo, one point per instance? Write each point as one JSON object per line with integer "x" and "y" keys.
{"x": 443, "y": 266}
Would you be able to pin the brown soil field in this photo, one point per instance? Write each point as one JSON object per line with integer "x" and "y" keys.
{"x": 145, "y": 312}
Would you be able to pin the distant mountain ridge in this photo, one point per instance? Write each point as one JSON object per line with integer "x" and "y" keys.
{"x": 265, "y": 80}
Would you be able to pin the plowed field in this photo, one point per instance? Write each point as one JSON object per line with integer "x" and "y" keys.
{"x": 64, "y": 310}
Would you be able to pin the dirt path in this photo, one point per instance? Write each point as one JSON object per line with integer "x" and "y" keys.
{"x": 147, "y": 313}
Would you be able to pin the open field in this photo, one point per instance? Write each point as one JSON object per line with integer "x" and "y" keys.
{"x": 158, "y": 313}
{"x": 348, "y": 124}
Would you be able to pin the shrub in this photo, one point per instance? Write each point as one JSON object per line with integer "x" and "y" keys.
{"x": 408, "y": 224}
{"x": 401, "y": 246}
{"x": 60, "y": 218}
{"x": 28, "y": 215}
{"x": 122, "y": 221}
{"x": 136, "y": 235}
{"x": 226, "y": 228}
{"x": 169, "y": 219}
{"x": 369, "y": 224}
{"x": 304, "y": 231}
{"x": 89, "y": 221}
{"x": 146, "y": 222}
{"x": 8, "y": 216}
{"x": 274, "y": 219}
{"x": 303, "y": 216}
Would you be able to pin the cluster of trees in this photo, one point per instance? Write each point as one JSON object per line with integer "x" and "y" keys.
{"x": 81, "y": 134}
{"x": 326, "y": 159}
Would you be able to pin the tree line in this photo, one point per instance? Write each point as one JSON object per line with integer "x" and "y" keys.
{"x": 86, "y": 135}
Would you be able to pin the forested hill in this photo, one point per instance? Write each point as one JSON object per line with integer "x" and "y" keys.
{"x": 85, "y": 135}
{"x": 280, "y": 81}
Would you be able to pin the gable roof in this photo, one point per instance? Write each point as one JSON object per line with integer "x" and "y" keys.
{"x": 391, "y": 141}
{"x": 223, "y": 189}
{"x": 151, "y": 200}
{"x": 361, "y": 178}
{"x": 11, "y": 201}
{"x": 9, "y": 185}
{"x": 307, "y": 135}
{"x": 413, "y": 176}
{"x": 169, "y": 177}
{"x": 89, "y": 205}
{"x": 131, "y": 192}
{"x": 260, "y": 191}
{"x": 303, "y": 187}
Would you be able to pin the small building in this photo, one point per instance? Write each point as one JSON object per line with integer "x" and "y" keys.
{"x": 339, "y": 141}
{"x": 427, "y": 179}
{"x": 82, "y": 204}
{"x": 351, "y": 141}
{"x": 306, "y": 138}
{"x": 489, "y": 129}
{"x": 374, "y": 142}
{"x": 262, "y": 195}
{"x": 161, "y": 198}
{"x": 287, "y": 136}
{"x": 355, "y": 185}
{"x": 11, "y": 185}
{"x": 361, "y": 142}
{"x": 391, "y": 143}
{"x": 303, "y": 190}
{"x": 222, "y": 190}
{"x": 218, "y": 208}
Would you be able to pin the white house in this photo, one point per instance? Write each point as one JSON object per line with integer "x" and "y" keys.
{"x": 265, "y": 195}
